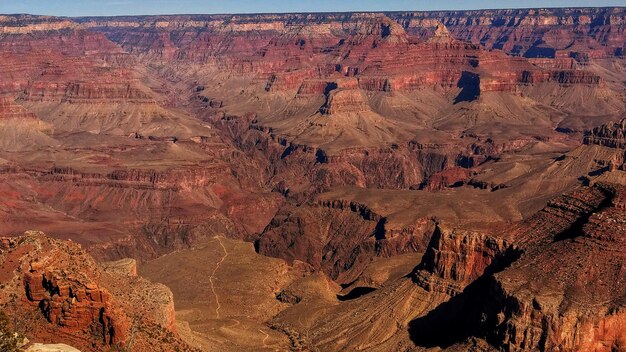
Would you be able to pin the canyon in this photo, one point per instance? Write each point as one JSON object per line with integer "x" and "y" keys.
{"x": 406, "y": 181}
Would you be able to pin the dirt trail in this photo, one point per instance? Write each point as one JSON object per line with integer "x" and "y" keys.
{"x": 217, "y": 266}
{"x": 265, "y": 338}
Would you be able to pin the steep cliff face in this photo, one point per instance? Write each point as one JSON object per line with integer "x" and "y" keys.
{"x": 345, "y": 101}
{"x": 454, "y": 259}
{"x": 566, "y": 293}
{"x": 95, "y": 92}
{"x": 58, "y": 281}
{"x": 71, "y": 303}
{"x": 530, "y": 32}
{"x": 28, "y": 24}
{"x": 374, "y": 48}
{"x": 554, "y": 286}
{"x": 45, "y": 61}
{"x": 609, "y": 135}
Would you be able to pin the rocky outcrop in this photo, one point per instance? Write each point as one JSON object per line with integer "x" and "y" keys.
{"x": 338, "y": 237}
{"x": 156, "y": 300}
{"x": 62, "y": 281}
{"x": 456, "y": 258}
{"x": 567, "y": 294}
{"x": 345, "y": 102}
{"x": 609, "y": 135}
{"x": 69, "y": 302}
{"x": 83, "y": 304}
{"x": 453, "y": 177}
{"x": 551, "y": 282}
{"x": 331, "y": 240}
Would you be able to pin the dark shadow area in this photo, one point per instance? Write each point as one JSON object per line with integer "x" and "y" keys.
{"x": 453, "y": 321}
{"x": 321, "y": 157}
{"x": 599, "y": 171}
{"x": 470, "y": 313}
{"x": 379, "y": 230}
{"x": 498, "y": 22}
{"x": 565, "y": 130}
{"x": 288, "y": 152}
{"x": 466, "y": 162}
{"x": 257, "y": 245}
{"x": 356, "y": 293}
{"x": 385, "y": 30}
{"x": 457, "y": 184}
{"x": 560, "y": 158}
{"x": 470, "y": 87}
{"x": 600, "y": 21}
{"x": 330, "y": 87}
{"x": 584, "y": 180}
{"x": 344, "y": 286}
{"x": 537, "y": 52}
{"x": 429, "y": 255}
{"x": 576, "y": 229}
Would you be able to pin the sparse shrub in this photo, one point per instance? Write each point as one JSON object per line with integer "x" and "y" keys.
{"x": 9, "y": 340}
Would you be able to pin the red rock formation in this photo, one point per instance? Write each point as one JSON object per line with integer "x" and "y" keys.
{"x": 456, "y": 258}
{"x": 10, "y": 110}
{"x": 65, "y": 285}
{"x": 371, "y": 47}
{"x": 338, "y": 237}
{"x": 71, "y": 303}
{"x": 518, "y": 31}
{"x": 551, "y": 282}
{"x": 60, "y": 282}
{"x": 345, "y": 102}
{"x": 566, "y": 293}
{"x": 448, "y": 178}
{"x": 609, "y": 135}
{"x": 289, "y": 80}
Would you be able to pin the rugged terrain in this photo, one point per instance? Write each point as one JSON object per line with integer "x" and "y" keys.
{"x": 53, "y": 291}
{"x": 351, "y": 181}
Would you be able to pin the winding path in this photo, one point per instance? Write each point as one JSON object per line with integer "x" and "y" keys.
{"x": 217, "y": 266}
{"x": 265, "y": 338}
